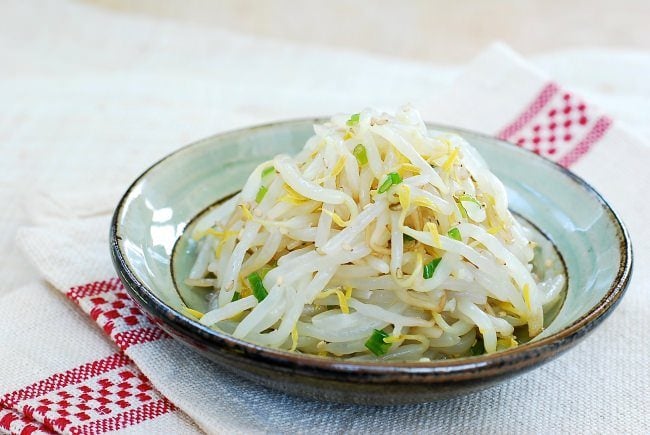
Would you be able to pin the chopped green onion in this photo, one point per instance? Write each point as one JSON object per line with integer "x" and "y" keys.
{"x": 392, "y": 179}
{"x": 385, "y": 185}
{"x": 407, "y": 238}
{"x": 360, "y": 153}
{"x": 430, "y": 267}
{"x": 454, "y": 233}
{"x": 264, "y": 270}
{"x": 259, "y": 291}
{"x": 267, "y": 171}
{"x": 467, "y": 198}
{"x": 478, "y": 348}
{"x": 235, "y": 297}
{"x": 261, "y": 193}
{"x": 462, "y": 210}
{"x": 376, "y": 343}
{"x": 395, "y": 177}
{"x": 354, "y": 120}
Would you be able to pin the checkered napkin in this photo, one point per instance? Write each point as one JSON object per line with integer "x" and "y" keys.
{"x": 84, "y": 359}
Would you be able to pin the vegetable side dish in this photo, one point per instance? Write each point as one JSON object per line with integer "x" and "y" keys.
{"x": 379, "y": 240}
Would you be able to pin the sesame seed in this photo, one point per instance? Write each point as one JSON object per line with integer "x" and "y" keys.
{"x": 548, "y": 263}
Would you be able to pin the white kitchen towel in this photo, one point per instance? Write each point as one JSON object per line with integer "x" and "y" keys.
{"x": 601, "y": 386}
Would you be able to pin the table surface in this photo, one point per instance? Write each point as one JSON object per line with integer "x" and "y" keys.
{"x": 431, "y": 30}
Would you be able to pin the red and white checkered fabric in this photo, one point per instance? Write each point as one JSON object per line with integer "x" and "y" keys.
{"x": 102, "y": 395}
{"x": 108, "y": 304}
{"x": 16, "y": 423}
{"x": 97, "y": 397}
{"x": 557, "y": 125}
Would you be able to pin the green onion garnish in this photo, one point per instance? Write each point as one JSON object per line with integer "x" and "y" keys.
{"x": 392, "y": 179}
{"x": 264, "y": 270}
{"x": 478, "y": 348}
{"x": 430, "y": 267}
{"x": 354, "y": 120}
{"x": 454, "y": 233}
{"x": 469, "y": 198}
{"x": 463, "y": 212}
{"x": 259, "y": 291}
{"x": 376, "y": 343}
{"x": 261, "y": 193}
{"x": 466, "y": 198}
{"x": 360, "y": 153}
{"x": 267, "y": 171}
{"x": 235, "y": 297}
{"x": 407, "y": 238}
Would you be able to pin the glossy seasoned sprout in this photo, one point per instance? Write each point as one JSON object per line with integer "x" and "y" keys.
{"x": 378, "y": 240}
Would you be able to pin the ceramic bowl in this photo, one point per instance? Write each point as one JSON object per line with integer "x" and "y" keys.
{"x": 159, "y": 204}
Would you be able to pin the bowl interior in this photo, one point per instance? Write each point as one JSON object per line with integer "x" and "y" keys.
{"x": 162, "y": 201}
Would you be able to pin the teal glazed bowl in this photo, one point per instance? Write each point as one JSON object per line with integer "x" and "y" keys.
{"x": 157, "y": 207}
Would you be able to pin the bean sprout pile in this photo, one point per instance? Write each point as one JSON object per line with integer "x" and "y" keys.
{"x": 379, "y": 240}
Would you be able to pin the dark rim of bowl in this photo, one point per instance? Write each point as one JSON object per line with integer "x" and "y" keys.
{"x": 466, "y": 368}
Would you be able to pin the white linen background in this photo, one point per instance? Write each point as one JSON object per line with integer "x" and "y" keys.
{"x": 104, "y": 94}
